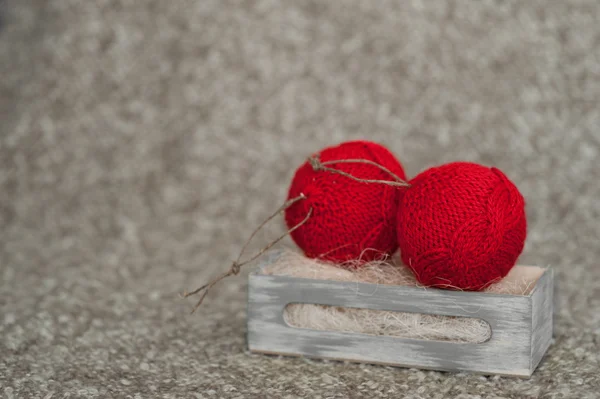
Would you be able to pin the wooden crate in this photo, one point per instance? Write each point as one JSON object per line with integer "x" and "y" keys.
{"x": 521, "y": 325}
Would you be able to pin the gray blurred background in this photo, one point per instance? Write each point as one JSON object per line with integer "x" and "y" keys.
{"x": 142, "y": 141}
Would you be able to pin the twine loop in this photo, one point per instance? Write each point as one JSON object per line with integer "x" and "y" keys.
{"x": 318, "y": 166}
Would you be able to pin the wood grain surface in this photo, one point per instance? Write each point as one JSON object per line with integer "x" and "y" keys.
{"x": 521, "y": 325}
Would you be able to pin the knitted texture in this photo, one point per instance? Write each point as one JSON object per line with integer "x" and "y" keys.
{"x": 351, "y": 220}
{"x": 461, "y": 225}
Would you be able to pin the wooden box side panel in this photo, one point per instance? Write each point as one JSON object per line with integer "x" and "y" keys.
{"x": 542, "y": 317}
{"x": 507, "y": 352}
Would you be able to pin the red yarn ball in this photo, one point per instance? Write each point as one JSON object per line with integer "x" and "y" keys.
{"x": 350, "y": 220}
{"x": 461, "y": 226}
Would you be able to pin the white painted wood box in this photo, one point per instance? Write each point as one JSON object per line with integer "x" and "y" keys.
{"x": 521, "y": 325}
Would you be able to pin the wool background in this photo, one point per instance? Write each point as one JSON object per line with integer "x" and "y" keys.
{"x": 141, "y": 141}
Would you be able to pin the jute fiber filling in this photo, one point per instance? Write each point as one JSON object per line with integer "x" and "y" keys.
{"x": 520, "y": 281}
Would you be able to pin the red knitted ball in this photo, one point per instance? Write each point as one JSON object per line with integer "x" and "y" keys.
{"x": 350, "y": 220}
{"x": 461, "y": 225}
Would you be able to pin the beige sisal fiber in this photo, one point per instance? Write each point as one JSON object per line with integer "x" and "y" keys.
{"x": 520, "y": 281}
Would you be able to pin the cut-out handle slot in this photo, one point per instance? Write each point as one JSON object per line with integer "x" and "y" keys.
{"x": 408, "y": 325}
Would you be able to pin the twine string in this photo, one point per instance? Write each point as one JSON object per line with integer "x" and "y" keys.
{"x": 317, "y": 165}
{"x": 238, "y": 263}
